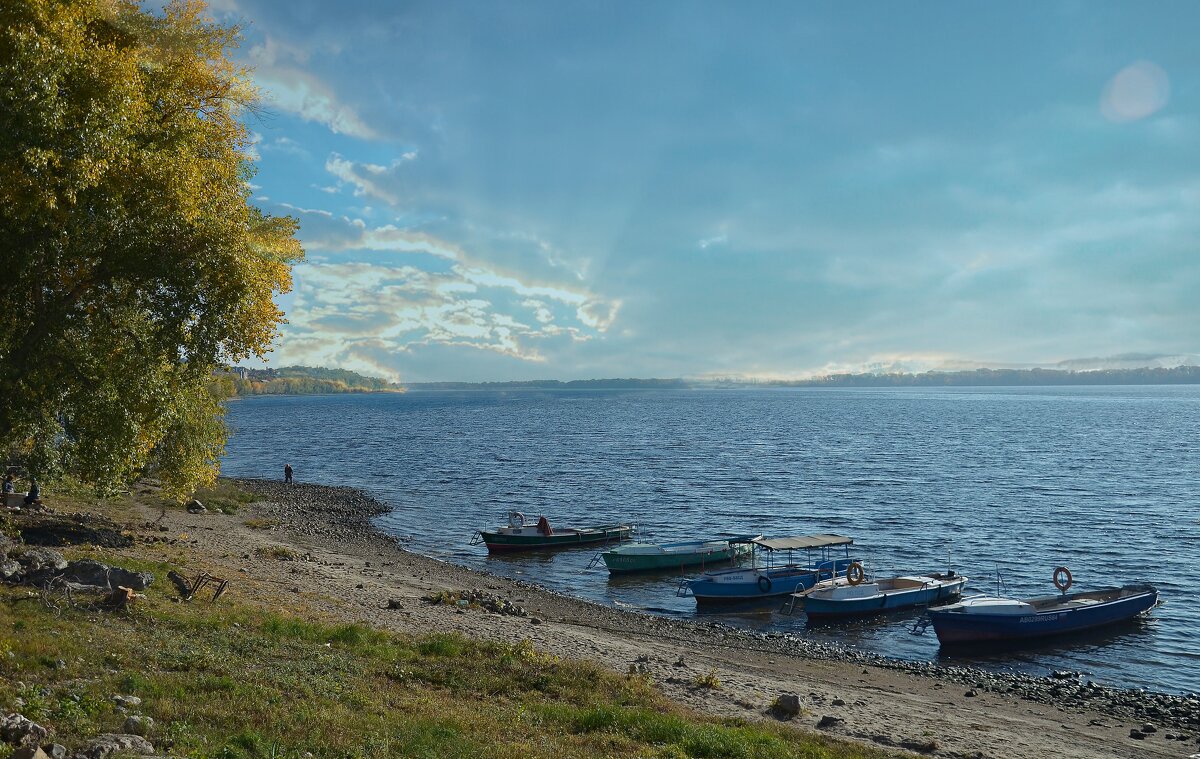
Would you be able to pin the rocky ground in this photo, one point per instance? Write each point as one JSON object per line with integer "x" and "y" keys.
{"x": 311, "y": 549}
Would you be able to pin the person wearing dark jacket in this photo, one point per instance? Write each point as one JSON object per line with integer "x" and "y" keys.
{"x": 34, "y": 494}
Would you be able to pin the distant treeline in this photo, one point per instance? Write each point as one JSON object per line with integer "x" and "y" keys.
{"x": 1180, "y": 375}
{"x": 231, "y": 382}
{"x": 306, "y": 380}
{"x": 595, "y": 384}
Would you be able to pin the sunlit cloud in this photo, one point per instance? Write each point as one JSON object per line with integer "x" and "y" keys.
{"x": 1137, "y": 91}
{"x": 396, "y": 309}
{"x": 365, "y": 177}
{"x": 299, "y": 92}
{"x": 558, "y": 211}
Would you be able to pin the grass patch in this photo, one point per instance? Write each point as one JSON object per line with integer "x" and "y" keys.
{"x": 224, "y": 497}
{"x": 262, "y": 524}
{"x": 236, "y": 682}
{"x": 282, "y": 553}
{"x": 709, "y": 681}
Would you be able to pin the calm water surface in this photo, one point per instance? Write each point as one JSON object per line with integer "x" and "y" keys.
{"x": 1015, "y": 480}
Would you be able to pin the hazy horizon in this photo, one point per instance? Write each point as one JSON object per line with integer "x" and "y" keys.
{"x": 510, "y": 192}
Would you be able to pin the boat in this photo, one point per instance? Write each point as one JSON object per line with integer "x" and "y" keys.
{"x": 651, "y": 557}
{"x": 767, "y": 580}
{"x": 520, "y": 535}
{"x": 856, "y": 599}
{"x": 994, "y": 618}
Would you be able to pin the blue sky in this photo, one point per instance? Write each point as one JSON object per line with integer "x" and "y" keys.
{"x": 493, "y": 191}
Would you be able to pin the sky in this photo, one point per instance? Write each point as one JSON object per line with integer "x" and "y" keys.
{"x": 572, "y": 190}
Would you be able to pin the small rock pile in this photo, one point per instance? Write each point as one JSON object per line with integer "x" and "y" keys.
{"x": 40, "y": 567}
{"x": 30, "y": 738}
{"x": 474, "y": 599}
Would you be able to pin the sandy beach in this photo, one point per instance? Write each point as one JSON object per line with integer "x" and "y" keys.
{"x": 313, "y": 548}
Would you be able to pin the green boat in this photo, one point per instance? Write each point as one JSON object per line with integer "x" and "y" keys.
{"x": 520, "y": 536}
{"x": 657, "y": 557}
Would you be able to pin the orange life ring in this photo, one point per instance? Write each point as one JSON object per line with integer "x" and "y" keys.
{"x": 1063, "y": 579}
{"x": 855, "y": 574}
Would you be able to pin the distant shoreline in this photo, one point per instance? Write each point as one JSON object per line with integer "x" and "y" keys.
{"x": 1182, "y": 375}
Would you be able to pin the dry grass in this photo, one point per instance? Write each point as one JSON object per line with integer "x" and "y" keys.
{"x": 281, "y": 553}
{"x": 239, "y": 681}
{"x": 236, "y": 682}
{"x": 224, "y": 497}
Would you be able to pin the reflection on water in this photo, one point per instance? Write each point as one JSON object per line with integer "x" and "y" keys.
{"x": 1084, "y": 645}
{"x": 1011, "y": 480}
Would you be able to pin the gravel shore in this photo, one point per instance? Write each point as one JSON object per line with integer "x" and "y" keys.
{"x": 332, "y": 530}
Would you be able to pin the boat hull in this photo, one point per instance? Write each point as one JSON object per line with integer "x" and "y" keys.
{"x": 742, "y": 586}
{"x": 957, "y": 628}
{"x": 498, "y": 542}
{"x": 620, "y": 562}
{"x": 938, "y": 591}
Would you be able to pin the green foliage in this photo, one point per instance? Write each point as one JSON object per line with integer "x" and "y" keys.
{"x": 709, "y": 680}
{"x": 133, "y": 263}
{"x": 296, "y": 380}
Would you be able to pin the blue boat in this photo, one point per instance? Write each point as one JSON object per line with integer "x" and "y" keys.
{"x": 850, "y": 599}
{"x": 770, "y": 581}
{"x": 982, "y": 619}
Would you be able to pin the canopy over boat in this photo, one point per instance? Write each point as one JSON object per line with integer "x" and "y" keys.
{"x": 796, "y": 543}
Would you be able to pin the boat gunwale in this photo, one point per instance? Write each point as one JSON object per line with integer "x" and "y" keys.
{"x": 958, "y": 611}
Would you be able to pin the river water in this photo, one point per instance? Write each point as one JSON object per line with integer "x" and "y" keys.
{"x": 999, "y": 481}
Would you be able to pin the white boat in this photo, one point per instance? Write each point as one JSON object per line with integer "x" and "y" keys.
{"x": 847, "y": 599}
{"x": 647, "y": 557}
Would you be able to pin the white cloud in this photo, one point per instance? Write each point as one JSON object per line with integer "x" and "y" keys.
{"x": 365, "y": 177}
{"x": 343, "y": 234}
{"x": 306, "y": 96}
{"x": 340, "y": 310}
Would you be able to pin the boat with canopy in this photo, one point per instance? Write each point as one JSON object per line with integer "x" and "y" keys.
{"x": 766, "y": 579}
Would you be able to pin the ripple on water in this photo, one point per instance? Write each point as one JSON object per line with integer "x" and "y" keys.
{"x": 1014, "y": 481}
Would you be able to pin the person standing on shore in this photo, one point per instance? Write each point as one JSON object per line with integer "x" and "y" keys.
{"x": 287, "y": 473}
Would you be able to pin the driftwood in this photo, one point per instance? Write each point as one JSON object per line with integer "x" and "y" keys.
{"x": 181, "y": 583}
{"x": 59, "y": 593}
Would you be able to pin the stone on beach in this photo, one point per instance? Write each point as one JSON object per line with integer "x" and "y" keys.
{"x": 107, "y": 744}
{"x": 786, "y": 706}
{"x": 92, "y": 572}
{"x": 136, "y": 724}
{"x": 10, "y": 571}
{"x": 19, "y": 730}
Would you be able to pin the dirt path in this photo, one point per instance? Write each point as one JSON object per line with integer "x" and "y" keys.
{"x": 352, "y": 574}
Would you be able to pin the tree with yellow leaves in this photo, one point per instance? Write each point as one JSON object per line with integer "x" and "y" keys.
{"x": 131, "y": 261}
